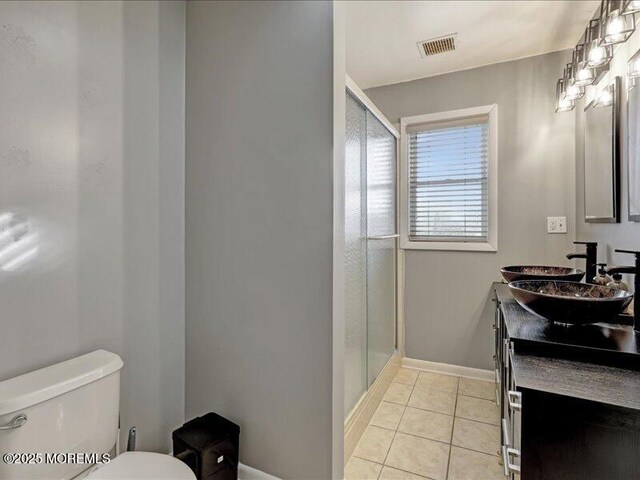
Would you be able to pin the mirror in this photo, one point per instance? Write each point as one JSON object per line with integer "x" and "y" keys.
{"x": 601, "y": 156}
{"x": 633, "y": 115}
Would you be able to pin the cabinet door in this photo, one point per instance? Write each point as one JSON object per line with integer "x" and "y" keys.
{"x": 496, "y": 356}
{"x": 512, "y": 454}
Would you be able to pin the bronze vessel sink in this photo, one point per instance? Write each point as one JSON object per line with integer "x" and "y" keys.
{"x": 570, "y": 302}
{"x": 541, "y": 272}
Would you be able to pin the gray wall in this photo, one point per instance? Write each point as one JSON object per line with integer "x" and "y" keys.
{"x": 92, "y": 153}
{"x": 448, "y": 312}
{"x": 626, "y": 234}
{"x": 259, "y": 228}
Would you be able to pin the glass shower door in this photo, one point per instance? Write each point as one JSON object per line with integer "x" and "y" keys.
{"x": 381, "y": 246}
{"x": 355, "y": 255}
{"x": 370, "y": 249}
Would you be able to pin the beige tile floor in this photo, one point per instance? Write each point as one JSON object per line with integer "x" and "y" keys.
{"x": 431, "y": 426}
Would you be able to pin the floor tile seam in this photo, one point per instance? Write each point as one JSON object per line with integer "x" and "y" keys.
{"x": 453, "y": 426}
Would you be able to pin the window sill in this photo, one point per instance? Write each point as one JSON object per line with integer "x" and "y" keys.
{"x": 449, "y": 246}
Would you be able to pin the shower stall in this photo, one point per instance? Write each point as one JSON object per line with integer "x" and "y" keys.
{"x": 371, "y": 245}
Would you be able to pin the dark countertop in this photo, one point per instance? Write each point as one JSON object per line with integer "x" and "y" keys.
{"x": 603, "y": 343}
{"x": 597, "y": 383}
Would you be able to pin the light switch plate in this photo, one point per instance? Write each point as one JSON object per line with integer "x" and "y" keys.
{"x": 556, "y": 224}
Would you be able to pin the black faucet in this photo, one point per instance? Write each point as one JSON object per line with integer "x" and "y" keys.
{"x": 591, "y": 256}
{"x": 635, "y": 271}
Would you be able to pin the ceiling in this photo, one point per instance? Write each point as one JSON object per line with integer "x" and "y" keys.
{"x": 382, "y": 35}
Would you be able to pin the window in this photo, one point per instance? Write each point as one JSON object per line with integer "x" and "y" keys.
{"x": 449, "y": 180}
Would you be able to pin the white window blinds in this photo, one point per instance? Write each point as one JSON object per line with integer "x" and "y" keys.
{"x": 448, "y": 181}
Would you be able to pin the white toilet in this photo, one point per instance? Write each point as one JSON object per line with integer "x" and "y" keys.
{"x": 72, "y": 407}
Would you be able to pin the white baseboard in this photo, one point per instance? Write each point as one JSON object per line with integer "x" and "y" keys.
{"x": 245, "y": 472}
{"x": 467, "y": 372}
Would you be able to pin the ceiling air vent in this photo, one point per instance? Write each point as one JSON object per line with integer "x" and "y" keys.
{"x": 437, "y": 45}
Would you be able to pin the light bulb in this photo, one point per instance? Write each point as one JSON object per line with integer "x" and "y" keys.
{"x": 616, "y": 30}
{"x": 573, "y": 92}
{"x": 597, "y": 55}
{"x": 562, "y": 104}
{"x": 583, "y": 76}
{"x": 605, "y": 98}
{"x": 615, "y": 25}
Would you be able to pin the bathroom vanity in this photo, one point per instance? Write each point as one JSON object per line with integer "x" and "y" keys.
{"x": 569, "y": 397}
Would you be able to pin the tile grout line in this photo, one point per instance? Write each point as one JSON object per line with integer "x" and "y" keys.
{"x": 457, "y": 393}
{"x": 431, "y": 440}
{"x": 407, "y": 471}
{"x": 419, "y": 475}
{"x": 426, "y": 387}
{"x": 395, "y": 468}
{"x": 447, "y": 414}
{"x": 369, "y": 424}
{"x": 404, "y": 409}
{"x": 453, "y": 426}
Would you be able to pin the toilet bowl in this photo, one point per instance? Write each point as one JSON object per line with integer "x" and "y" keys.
{"x": 73, "y": 408}
{"x": 142, "y": 466}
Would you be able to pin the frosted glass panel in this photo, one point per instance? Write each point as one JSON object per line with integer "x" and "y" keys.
{"x": 381, "y": 174}
{"x": 381, "y": 285}
{"x": 355, "y": 256}
{"x": 370, "y": 276}
{"x": 381, "y": 254}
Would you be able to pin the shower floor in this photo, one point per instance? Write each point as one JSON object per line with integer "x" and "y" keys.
{"x": 431, "y": 426}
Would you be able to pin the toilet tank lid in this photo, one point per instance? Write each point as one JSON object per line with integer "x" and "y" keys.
{"x": 40, "y": 385}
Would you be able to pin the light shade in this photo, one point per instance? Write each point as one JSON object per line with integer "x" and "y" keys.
{"x": 598, "y": 55}
{"x": 595, "y": 54}
{"x": 570, "y": 90}
{"x": 583, "y": 74}
{"x": 562, "y": 104}
{"x": 630, "y": 6}
{"x": 616, "y": 28}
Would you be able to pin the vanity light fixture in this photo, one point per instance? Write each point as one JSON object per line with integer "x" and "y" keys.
{"x": 613, "y": 23}
{"x": 617, "y": 27}
{"x": 596, "y": 55}
{"x": 584, "y": 74}
{"x": 571, "y": 91}
{"x": 562, "y": 104}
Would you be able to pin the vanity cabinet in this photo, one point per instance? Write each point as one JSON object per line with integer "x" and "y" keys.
{"x": 509, "y": 399}
{"x": 563, "y": 419}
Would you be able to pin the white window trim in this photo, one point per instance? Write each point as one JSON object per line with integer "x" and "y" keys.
{"x": 492, "y": 244}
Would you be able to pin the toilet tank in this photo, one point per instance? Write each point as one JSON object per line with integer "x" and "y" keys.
{"x": 71, "y": 407}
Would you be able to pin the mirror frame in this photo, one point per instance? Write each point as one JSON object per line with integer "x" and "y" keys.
{"x": 615, "y": 156}
{"x": 632, "y": 83}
